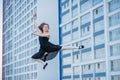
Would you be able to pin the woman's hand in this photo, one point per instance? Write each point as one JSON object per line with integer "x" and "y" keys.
{"x": 33, "y": 32}
{"x": 34, "y": 15}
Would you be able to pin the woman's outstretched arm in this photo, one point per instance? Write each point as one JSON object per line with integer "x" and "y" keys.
{"x": 35, "y": 24}
{"x": 72, "y": 47}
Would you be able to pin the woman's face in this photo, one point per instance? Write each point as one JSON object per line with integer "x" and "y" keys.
{"x": 45, "y": 28}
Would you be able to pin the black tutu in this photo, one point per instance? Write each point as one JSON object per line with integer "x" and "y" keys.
{"x": 46, "y": 46}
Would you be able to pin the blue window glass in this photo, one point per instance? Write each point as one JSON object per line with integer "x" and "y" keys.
{"x": 98, "y": 26}
{"x": 99, "y": 39}
{"x": 85, "y": 18}
{"x": 74, "y": 10}
{"x": 95, "y": 2}
{"x": 98, "y": 12}
{"x": 114, "y": 19}
{"x": 85, "y": 5}
{"x": 114, "y": 65}
{"x": 113, "y": 5}
{"x": 115, "y": 50}
{"x": 114, "y": 35}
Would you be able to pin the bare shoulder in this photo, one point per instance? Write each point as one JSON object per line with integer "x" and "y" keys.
{"x": 45, "y": 35}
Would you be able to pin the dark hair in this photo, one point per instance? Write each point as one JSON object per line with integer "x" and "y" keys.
{"x": 42, "y": 25}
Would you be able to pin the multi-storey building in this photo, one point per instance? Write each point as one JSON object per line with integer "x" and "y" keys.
{"x": 96, "y": 25}
{"x": 18, "y": 42}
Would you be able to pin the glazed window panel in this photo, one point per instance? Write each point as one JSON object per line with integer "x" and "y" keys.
{"x": 100, "y": 39}
{"x": 114, "y": 19}
{"x": 100, "y": 53}
{"x": 66, "y": 28}
{"x": 115, "y": 77}
{"x": 75, "y": 35}
{"x": 98, "y": 12}
{"x": 67, "y": 60}
{"x": 100, "y": 67}
{"x": 86, "y": 43}
{"x": 88, "y": 69}
{"x": 98, "y": 26}
{"x": 75, "y": 12}
{"x": 115, "y": 65}
{"x": 76, "y": 70}
{"x": 87, "y": 56}
{"x": 85, "y": 31}
{"x": 114, "y": 34}
{"x": 76, "y": 58}
{"x": 115, "y": 50}
{"x": 85, "y": 18}
{"x": 65, "y": 17}
{"x": 85, "y": 6}
{"x": 67, "y": 71}
{"x": 114, "y": 5}
{"x": 95, "y": 2}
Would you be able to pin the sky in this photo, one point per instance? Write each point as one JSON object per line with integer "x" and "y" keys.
{"x": 0, "y": 39}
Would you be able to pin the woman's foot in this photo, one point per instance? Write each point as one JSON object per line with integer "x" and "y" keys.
{"x": 45, "y": 65}
{"x": 80, "y": 47}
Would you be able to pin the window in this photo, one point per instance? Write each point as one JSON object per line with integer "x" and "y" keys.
{"x": 115, "y": 49}
{"x": 76, "y": 70}
{"x": 115, "y": 77}
{"x": 85, "y": 31}
{"x": 67, "y": 71}
{"x": 65, "y": 6}
{"x": 75, "y": 33}
{"x": 99, "y": 39}
{"x": 100, "y": 53}
{"x": 76, "y": 58}
{"x": 66, "y": 33}
{"x": 65, "y": 16}
{"x": 95, "y": 2}
{"x": 85, "y": 18}
{"x": 100, "y": 78}
{"x": 114, "y": 19}
{"x": 74, "y": 2}
{"x": 98, "y": 12}
{"x": 86, "y": 43}
{"x": 67, "y": 60}
{"x": 85, "y": 24}
{"x": 113, "y": 5}
{"x": 98, "y": 26}
{"x": 35, "y": 1}
{"x": 115, "y": 65}
{"x": 85, "y": 56}
{"x": 88, "y": 69}
{"x": 74, "y": 11}
{"x": 85, "y": 5}
{"x": 100, "y": 67}
{"x": 114, "y": 35}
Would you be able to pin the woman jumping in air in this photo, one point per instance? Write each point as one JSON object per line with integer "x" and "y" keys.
{"x": 47, "y": 47}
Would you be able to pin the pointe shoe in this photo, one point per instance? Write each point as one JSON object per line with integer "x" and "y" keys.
{"x": 81, "y": 47}
{"x": 45, "y": 65}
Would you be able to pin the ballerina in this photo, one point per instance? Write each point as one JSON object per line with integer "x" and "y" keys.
{"x": 47, "y": 47}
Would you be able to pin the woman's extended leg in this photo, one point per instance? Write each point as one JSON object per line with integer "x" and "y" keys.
{"x": 36, "y": 58}
{"x": 71, "y": 47}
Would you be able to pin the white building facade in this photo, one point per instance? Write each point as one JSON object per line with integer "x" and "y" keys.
{"x": 96, "y": 25}
{"x": 18, "y": 42}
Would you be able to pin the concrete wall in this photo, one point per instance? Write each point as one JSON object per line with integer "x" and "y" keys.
{"x": 47, "y": 11}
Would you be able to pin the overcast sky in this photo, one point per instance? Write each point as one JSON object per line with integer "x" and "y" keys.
{"x": 0, "y": 39}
